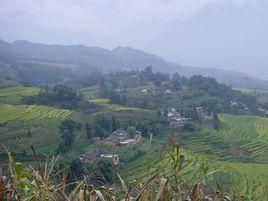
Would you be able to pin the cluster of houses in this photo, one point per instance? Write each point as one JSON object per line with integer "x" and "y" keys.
{"x": 95, "y": 154}
{"x": 117, "y": 138}
{"x": 264, "y": 111}
{"x": 121, "y": 138}
{"x": 175, "y": 119}
{"x": 235, "y": 104}
{"x": 156, "y": 91}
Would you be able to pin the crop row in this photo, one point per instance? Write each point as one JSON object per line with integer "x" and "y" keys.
{"x": 32, "y": 112}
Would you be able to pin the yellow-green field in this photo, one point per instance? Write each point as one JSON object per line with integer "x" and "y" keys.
{"x": 11, "y": 109}
{"x": 12, "y": 95}
{"x": 104, "y": 102}
{"x": 30, "y": 112}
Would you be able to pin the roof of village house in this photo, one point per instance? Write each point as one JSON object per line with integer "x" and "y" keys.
{"x": 128, "y": 141}
{"x": 92, "y": 154}
{"x": 120, "y": 132}
{"x": 174, "y": 114}
{"x": 117, "y": 135}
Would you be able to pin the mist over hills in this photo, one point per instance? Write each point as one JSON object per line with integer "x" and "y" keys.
{"x": 42, "y": 64}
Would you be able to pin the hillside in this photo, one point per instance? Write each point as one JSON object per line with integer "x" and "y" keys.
{"x": 238, "y": 150}
{"x": 216, "y": 127}
{"x": 20, "y": 58}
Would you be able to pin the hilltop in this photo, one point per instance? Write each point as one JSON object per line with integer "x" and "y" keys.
{"x": 23, "y": 61}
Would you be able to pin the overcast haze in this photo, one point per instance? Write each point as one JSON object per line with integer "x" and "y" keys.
{"x": 227, "y": 34}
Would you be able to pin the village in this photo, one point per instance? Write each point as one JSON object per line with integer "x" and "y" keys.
{"x": 116, "y": 138}
{"x": 121, "y": 138}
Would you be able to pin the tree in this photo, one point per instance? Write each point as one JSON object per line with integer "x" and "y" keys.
{"x": 98, "y": 130}
{"x": 159, "y": 113}
{"x": 66, "y": 129}
{"x": 114, "y": 124}
{"x": 190, "y": 113}
{"x": 115, "y": 98}
{"x": 89, "y": 131}
{"x": 157, "y": 83}
{"x": 131, "y": 130}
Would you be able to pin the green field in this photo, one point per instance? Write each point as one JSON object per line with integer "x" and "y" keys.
{"x": 11, "y": 109}
{"x": 13, "y": 95}
{"x": 30, "y": 112}
{"x": 239, "y": 150}
{"x": 104, "y": 102}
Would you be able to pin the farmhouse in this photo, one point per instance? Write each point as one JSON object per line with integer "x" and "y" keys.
{"x": 95, "y": 154}
{"x": 91, "y": 156}
{"x": 144, "y": 91}
{"x": 264, "y": 111}
{"x": 137, "y": 136}
{"x": 168, "y": 91}
{"x": 120, "y": 137}
{"x": 176, "y": 119}
{"x": 127, "y": 142}
{"x": 233, "y": 103}
{"x": 113, "y": 157}
{"x": 156, "y": 91}
{"x": 115, "y": 137}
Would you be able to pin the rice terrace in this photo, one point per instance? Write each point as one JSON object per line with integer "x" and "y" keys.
{"x": 156, "y": 100}
{"x": 17, "y": 111}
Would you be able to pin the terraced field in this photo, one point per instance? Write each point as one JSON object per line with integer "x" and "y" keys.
{"x": 30, "y": 112}
{"x": 242, "y": 139}
{"x": 239, "y": 150}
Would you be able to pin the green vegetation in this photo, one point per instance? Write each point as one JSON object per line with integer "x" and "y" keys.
{"x": 239, "y": 150}
{"x": 105, "y": 102}
{"x": 13, "y": 95}
{"x": 47, "y": 182}
{"x": 261, "y": 94}
{"x": 74, "y": 120}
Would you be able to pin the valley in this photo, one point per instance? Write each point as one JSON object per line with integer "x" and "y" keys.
{"x": 234, "y": 143}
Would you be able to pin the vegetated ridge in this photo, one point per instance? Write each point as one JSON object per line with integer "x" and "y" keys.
{"x": 23, "y": 61}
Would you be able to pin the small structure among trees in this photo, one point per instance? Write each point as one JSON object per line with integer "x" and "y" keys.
{"x": 121, "y": 137}
{"x": 115, "y": 137}
{"x": 175, "y": 119}
{"x": 95, "y": 154}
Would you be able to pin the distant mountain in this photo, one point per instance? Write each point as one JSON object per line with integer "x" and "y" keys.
{"x": 20, "y": 58}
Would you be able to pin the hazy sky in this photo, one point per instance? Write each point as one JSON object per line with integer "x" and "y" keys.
{"x": 228, "y": 34}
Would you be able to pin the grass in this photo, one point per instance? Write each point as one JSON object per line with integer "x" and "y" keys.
{"x": 100, "y": 100}
{"x": 30, "y": 112}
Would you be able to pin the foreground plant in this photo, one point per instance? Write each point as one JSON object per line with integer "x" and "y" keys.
{"x": 166, "y": 182}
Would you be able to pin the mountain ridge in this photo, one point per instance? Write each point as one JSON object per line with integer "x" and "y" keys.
{"x": 88, "y": 59}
